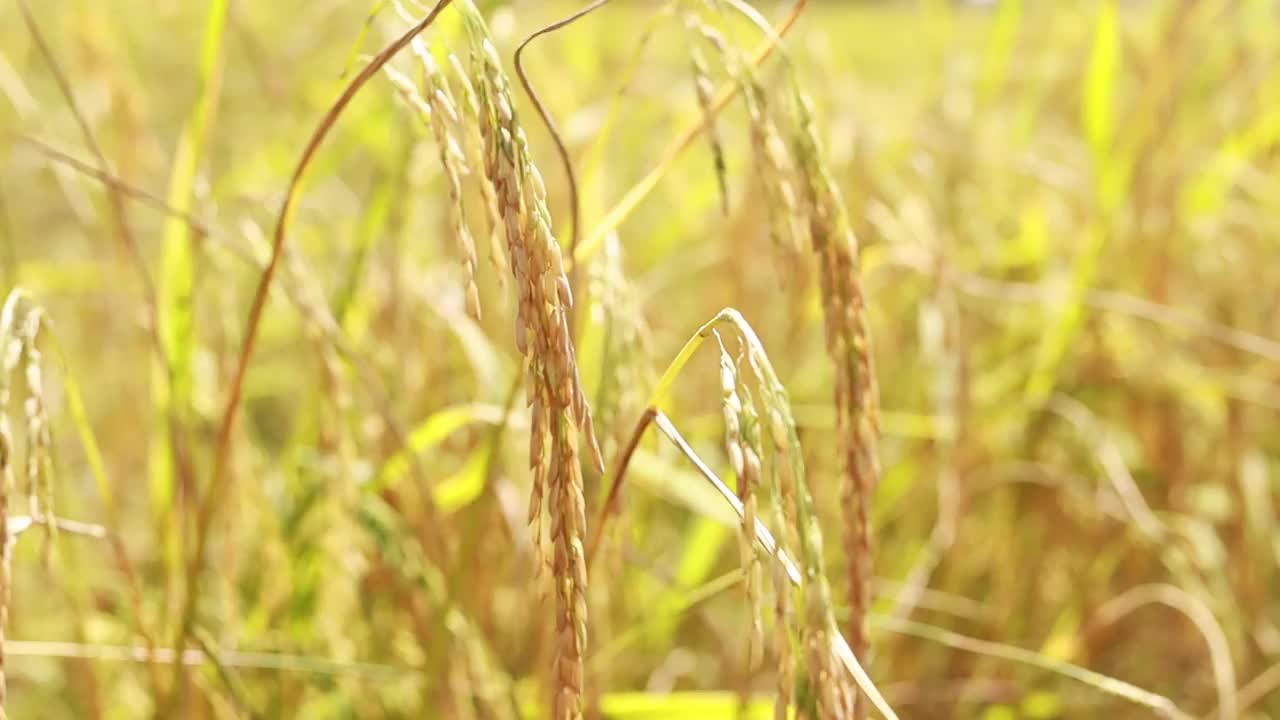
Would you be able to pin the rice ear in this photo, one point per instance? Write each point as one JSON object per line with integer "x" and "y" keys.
{"x": 559, "y": 409}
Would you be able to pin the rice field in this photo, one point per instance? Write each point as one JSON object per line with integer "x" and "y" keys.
{"x": 639, "y": 359}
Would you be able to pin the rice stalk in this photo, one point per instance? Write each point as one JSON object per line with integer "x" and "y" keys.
{"x": 20, "y": 328}
{"x": 833, "y": 694}
{"x": 39, "y": 456}
{"x": 848, "y": 343}
{"x": 790, "y": 572}
{"x": 469, "y": 661}
{"x": 575, "y": 211}
{"x": 445, "y": 119}
{"x": 558, "y": 407}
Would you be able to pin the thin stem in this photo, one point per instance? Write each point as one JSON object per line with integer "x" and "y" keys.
{"x": 111, "y": 180}
{"x": 619, "y": 474}
{"x": 22, "y": 523}
{"x": 575, "y": 213}
{"x": 1257, "y": 689}
{"x": 269, "y": 661}
{"x": 641, "y": 190}
{"x": 1201, "y": 616}
{"x": 1163, "y": 706}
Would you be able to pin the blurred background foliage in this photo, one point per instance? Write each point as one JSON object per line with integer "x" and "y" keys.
{"x": 1069, "y": 215}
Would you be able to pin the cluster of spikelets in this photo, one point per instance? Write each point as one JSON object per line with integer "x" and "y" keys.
{"x": 848, "y": 343}
{"x": 774, "y": 166}
{"x": 21, "y": 323}
{"x": 742, "y": 443}
{"x": 515, "y": 199}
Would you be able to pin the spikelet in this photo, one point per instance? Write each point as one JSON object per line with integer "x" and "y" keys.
{"x": 782, "y": 616}
{"x": 704, "y": 89}
{"x": 823, "y": 689}
{"x": 848, "y": 343}
{"x": 39, "y": 458}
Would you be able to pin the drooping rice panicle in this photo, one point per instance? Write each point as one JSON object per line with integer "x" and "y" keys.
{"x": 21, "y": 324}
{"x": 831, "y": 688}
{"x": 849, "y": 345}
{"x": 554, "y": 393}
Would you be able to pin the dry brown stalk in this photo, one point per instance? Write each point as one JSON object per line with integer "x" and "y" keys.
{"x": 575, "y": 214}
